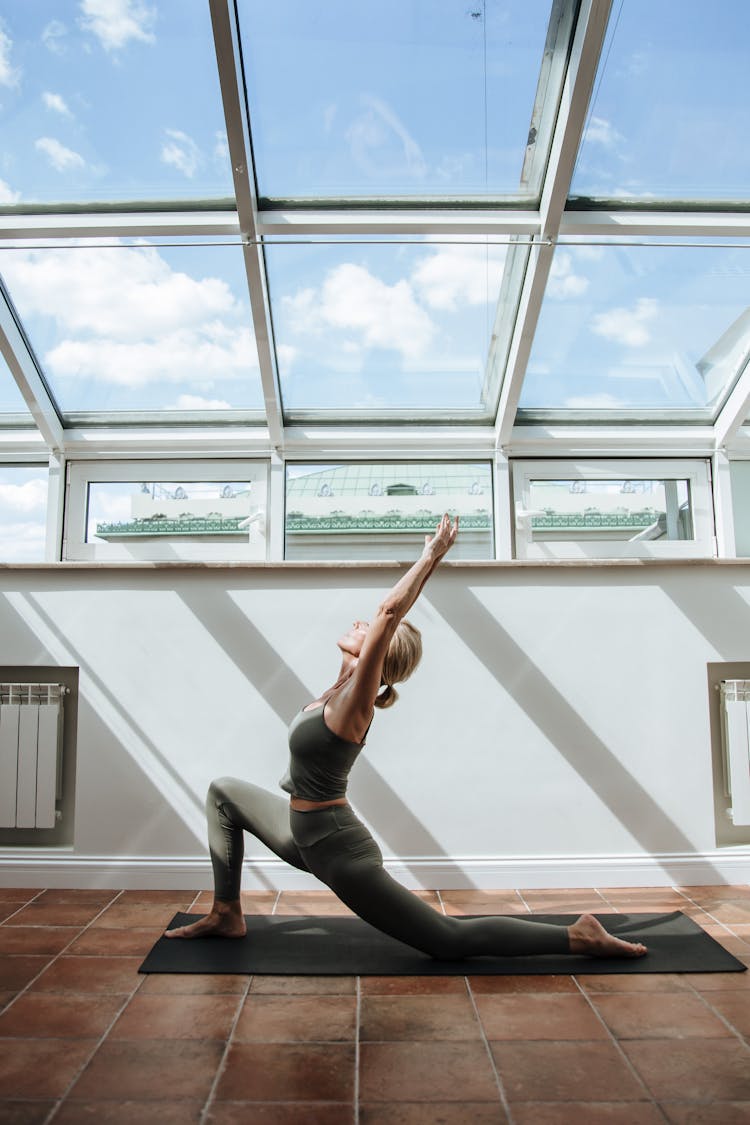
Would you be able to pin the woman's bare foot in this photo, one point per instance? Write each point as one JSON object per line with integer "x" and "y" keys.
{"x": 225, "y": 920}
{"x": 588, "y": 936}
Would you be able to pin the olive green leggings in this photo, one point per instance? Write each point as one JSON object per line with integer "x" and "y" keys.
{"x": 336, "y": 847}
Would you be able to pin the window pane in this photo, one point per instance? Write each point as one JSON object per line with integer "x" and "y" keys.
{"x": 740, "y": 476}
{"x": 670, "y": 117}
{"x": 627, "y": 510}
{"x": 132, "y": 327}
{"x": 384, "y": 511}
{"x": 116, "y": 101}
{"x": 399, "y": 97}
{"x": 23, "y": 513}
{"x": 11, "y": 399}
{"x": 384, "y": 327}
{"x": 645, "y": 327}
{"x": 161, "y": 518}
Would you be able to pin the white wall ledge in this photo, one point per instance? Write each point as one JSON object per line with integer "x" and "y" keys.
{"x": 380, "y": 564}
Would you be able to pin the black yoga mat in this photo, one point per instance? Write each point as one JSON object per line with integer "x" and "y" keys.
{"x": 345, "y": 946}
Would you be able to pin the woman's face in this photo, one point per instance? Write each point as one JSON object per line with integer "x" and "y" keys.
{"x": 353, "y": 639}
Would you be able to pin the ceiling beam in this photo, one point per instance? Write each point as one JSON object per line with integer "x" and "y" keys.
{"x": 229, "y": 60}
{"x": 735, "y": 410}
{"x": 571, "y": 119}
{"x": 654, "y": 224}
{"x": 146, "y": 224}
{"x": 390, "y": 223}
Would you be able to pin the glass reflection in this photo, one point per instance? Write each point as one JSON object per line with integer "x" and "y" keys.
{"x": 640, "y": 327}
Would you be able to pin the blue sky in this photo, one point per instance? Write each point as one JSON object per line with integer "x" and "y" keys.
{"x": 119, "y": 99}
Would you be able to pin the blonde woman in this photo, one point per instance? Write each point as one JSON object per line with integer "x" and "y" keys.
{"x": 317, "y": 831}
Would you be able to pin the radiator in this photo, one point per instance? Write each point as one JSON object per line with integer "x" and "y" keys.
{"x": 30, "y": 754}
{"x": 735, "y": 731}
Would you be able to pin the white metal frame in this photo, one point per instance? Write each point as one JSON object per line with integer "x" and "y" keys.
{"x": 696, "y": 473}
{"x": 278, "y": 438}
{"x": 83, "y": 473}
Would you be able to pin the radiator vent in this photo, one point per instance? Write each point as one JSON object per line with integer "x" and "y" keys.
{"x": 735, "y": 733}
{"x": 30, "y": 754}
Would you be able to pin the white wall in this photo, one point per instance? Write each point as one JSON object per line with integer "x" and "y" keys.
{"x": 557, "y": 732}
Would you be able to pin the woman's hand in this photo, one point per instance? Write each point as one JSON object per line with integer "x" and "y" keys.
{"x": 445, "y": 536}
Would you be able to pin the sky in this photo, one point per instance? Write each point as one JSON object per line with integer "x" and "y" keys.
{"x": 105, "y": 100}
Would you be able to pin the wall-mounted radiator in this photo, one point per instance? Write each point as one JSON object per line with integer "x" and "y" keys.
{"x": 30, "y": 754}
{"x": 735, "y": 730}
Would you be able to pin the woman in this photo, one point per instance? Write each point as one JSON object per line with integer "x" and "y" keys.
{"x": 320, "y": 832}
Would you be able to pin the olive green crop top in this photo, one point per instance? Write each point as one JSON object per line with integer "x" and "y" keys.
{"x": 320, "y": 760}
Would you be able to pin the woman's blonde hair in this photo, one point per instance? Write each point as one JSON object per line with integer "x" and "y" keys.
{"x": 404, "y": 654}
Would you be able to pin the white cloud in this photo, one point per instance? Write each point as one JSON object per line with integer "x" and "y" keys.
{"x": 457, "y": 275}
{"x": 22, "y": 542}
{"x": 181, "y": 152}
{"x": 60, "y": 157}
{"x": 221, "y": 148}
{"x": 7, "y": 195}
{"x": 116, "y": 22}
{"x": 124, "y": 316}
{"x": 602, "y": 132}
{"x": 563, "y": 282}
{"x": 627, "y": 326}
{"x": 354, "y": 300}
{"x": 371, "y": 136}
{"x": 9, "y": 74}
{"x": 56, "y": 103}
{"x": 53, "y": 37}
{"x": 197, "y": 402}
{"x": 24, "y": 498}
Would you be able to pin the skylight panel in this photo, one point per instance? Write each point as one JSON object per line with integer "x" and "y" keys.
{"x": 11, "y": 399}
{"x": 408, "y": 98}
{"x": 131, "y": 327}
{"x": 670, "y": 117}
{"x": 110, "y": 101}
{"x": 646, "y": 327}
{"x": 383, "y": 328}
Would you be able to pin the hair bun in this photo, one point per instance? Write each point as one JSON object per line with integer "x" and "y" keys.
{"x": 387, "y": 697}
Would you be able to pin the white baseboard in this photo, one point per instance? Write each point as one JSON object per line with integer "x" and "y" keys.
{"x": 31, "y": 867}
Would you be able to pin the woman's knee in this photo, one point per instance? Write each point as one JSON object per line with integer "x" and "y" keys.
{"x": 219, "y": 791}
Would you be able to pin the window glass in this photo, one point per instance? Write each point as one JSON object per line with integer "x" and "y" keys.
{"x": 128, "y": 327}
{"x": 740, "y": 478}
{"x": 110, "y": 101}
{"x": 120, "y": 512}
{"x": 401, "y": 97}
{"x": 384, "y": 327}
{"x": 23, "y": 513}
{"x": 630, "y": 510}
{"x": 154, "y": 510}
{"x": 640, "y": 327}
{"x": 11, "y": 399}
{"x": 384, "y": 510}
{"x": 660, "y": 508}
{"x": 669, "y": 118}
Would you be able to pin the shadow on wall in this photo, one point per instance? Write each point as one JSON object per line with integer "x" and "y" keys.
{"x": 545, "y": 706}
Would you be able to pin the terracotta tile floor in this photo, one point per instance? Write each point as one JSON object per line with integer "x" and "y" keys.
{"x": 85, "y": 1038}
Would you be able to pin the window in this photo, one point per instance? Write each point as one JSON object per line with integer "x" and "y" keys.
{"x": 621, "y": 509}
{"x": 23, "y": 513}
{"x": 162, "y": 510}
{"x": 384, "y": 510}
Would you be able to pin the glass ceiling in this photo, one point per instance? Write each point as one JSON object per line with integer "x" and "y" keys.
{"x": 411, "y": 98}
{"x": 376, "y": 214}
{"x": 670, "y": 118}
{"x": 105, "y": 101}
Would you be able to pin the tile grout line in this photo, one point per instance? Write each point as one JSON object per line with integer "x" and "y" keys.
{"x": 208, "y": 1105}
{"x": 358, "y": 1024}
{"x": 498, "y": 1080}
{"x": 78, "y": 933}
{"x": 618, "y": 1048}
